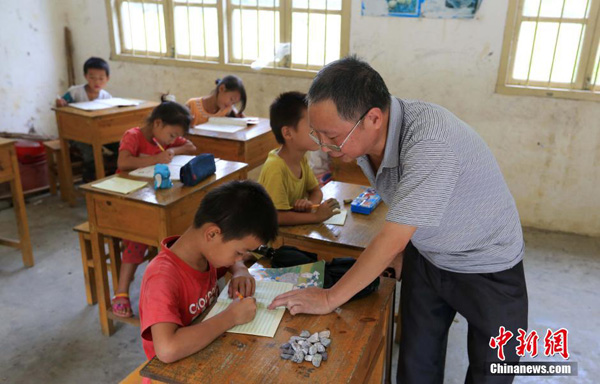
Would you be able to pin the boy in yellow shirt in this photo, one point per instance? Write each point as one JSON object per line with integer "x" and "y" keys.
{"x": 286, "y": 175}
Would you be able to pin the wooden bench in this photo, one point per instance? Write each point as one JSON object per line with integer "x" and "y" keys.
{"x": 114, "y": 254}
{"x": 114, "y": 257}
{"x": 55, "y": 168}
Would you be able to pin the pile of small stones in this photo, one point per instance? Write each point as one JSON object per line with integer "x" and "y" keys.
{"x": 307, "y": 347}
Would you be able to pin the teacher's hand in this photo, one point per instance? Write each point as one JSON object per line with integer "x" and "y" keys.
{"x": 311, "y": 300}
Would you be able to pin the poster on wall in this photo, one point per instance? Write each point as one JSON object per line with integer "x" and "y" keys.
{"x": 440, "y": 9}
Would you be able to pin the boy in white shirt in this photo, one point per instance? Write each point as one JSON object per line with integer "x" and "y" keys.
{"x": 97, "y": 73}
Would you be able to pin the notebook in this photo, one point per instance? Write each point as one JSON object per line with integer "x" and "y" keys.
{"x": 120, "y": 185}
{"x": 104, "y": 104}
{"x": 227, "y": 124}
{"x": 174, "y": 167}
{"x": 266, "y": 321}
{"x": 338, "y": 219}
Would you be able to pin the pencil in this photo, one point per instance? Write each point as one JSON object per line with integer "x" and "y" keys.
{"x": 157, "y": 143}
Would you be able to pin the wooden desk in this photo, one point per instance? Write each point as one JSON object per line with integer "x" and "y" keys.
{"x": 347, "y": 172}
{"x": 95, "y": 128}
{"x": 146, "y": 216}
{"x": 250, "y": 145}
{"x": 360, "y": 351}
{"x": 329, "y": 241}
{"x": 9, "y": 173}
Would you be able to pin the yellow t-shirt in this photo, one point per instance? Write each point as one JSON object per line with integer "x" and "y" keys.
{"x": 282, "y": 185}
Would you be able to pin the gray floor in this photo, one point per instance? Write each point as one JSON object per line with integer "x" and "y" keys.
{"x": 49, "y": 334}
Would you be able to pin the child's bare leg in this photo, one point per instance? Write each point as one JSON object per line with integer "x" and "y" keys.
{"x": 125, "y": 277}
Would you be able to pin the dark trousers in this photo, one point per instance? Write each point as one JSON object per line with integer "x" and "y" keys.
{"x": 430, "y": 298}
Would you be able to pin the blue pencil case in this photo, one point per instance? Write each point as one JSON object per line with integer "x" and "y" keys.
{"x": 366, "y": 202}
{"x": 198, "y": 169}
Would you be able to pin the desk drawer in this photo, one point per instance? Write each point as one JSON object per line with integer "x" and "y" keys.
{"x": 115, "y": 215}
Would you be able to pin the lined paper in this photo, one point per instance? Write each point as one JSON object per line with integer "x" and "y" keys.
{"x": 266, "y": 321}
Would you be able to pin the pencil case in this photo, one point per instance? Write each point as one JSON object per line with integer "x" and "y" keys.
{"x": 197, "y": 169}
{"x": 366, "y": 202}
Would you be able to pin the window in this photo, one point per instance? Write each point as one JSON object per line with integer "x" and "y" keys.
{"x": 551, "y": 48}
{"x": 298, "y": 36}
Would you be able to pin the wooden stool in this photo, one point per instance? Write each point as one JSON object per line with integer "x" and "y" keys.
{"x": 114, "y": 254}
{"x": 55, "y": 168}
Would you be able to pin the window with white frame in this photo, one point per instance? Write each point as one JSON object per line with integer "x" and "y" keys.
{"x": 299, "y": 35}
{"x": 552, "y": 48}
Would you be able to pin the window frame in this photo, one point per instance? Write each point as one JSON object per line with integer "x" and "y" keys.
{"x": 225, "y": 48}
{"x": 582, "y": 88}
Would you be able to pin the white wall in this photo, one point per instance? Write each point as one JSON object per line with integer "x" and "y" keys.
{"x": 549, "y": 150}
{"x": 32, "y": 64}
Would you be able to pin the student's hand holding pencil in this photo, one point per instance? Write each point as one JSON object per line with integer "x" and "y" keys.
{"x": 242, "y": 309}
{"x": 164, "y": 157}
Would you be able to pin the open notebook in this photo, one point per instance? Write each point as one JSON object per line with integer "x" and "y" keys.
{"x": 227, "y": 124}
{"x": 104, "y": 104}
{"x": 266, "y": 321}
{"x": 120, "y": 185}
{"x": 174, "y": 167}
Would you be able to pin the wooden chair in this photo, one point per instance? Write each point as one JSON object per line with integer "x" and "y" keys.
{"x": 114, "y": 254}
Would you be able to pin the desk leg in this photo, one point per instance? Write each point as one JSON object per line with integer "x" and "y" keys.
{"x": 389, "y": 340}
{"x": 100, "y": 271}
{"x": 16, "y": 189}
{"x": 67, "y": 172}
{"x": 98, "y": 161}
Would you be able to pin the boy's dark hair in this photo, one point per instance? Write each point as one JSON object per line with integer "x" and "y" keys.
{"x": 233, "y": 83}
{"x": 286, "y": 110}
{"x": 240, "y": 209}
{"x": 353, "y": 86}
{"x": 96, "y": 63}
{"x": 171, "y": 113}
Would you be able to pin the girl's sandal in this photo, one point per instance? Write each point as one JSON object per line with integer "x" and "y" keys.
{"x": 121, "y": 305}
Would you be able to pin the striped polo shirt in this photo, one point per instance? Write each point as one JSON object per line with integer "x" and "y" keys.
{"x": 438, "y": 175}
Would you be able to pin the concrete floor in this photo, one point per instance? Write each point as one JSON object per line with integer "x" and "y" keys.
{"x": 50, "y": 335}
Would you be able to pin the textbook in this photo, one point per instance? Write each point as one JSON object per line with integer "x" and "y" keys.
{"x": 266, "y": 321}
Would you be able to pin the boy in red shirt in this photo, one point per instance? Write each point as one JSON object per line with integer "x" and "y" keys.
{"x": 181, "y": 282}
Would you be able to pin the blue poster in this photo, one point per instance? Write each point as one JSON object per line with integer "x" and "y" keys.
{"x": 441, "y": 9}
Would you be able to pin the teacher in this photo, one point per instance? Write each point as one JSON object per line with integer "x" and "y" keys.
{"x": 452, "y": 221}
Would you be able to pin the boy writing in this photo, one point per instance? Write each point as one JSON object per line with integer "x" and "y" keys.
{"x": 181, "y": 282}
{"x": 286, "y": 175}
{"x": 97, "y": 74}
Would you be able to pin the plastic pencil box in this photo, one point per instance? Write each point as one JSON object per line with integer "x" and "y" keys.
{"x": 366, "y": 202}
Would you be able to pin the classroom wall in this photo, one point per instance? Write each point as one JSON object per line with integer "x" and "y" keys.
{"x": 549, "y": 150}
{"x": 32, "y": 64}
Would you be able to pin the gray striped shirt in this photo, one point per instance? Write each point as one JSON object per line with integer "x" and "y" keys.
{"x": 438, "y": 175}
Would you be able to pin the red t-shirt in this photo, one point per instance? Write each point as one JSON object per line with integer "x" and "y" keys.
{"x": 136, "y": 143}
{"x": 174, "y": 292}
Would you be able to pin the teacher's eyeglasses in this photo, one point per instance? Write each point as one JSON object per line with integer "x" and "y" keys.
{"x": 334, "y": 147}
